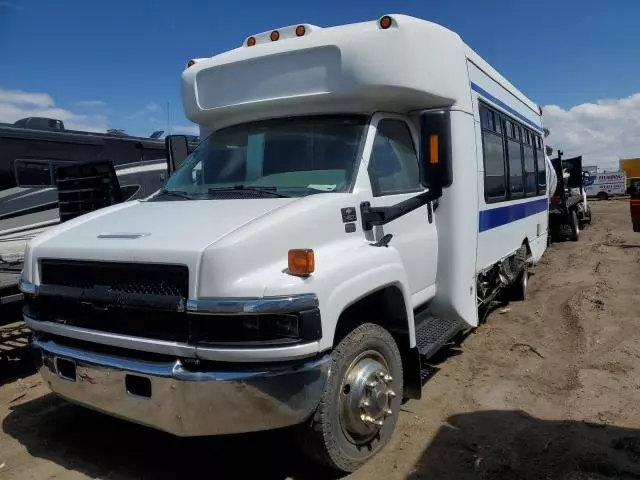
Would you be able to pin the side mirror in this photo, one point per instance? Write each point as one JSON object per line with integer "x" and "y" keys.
{"x": 436, "y": 153}
{"x": 177, "y": 149}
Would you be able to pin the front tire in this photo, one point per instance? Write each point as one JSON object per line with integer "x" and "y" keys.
{"x": 575, "y": 226}
{"x": 602, "y": 196}
{"x": 360, "y": 404}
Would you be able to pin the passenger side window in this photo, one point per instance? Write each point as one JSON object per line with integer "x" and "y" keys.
{"x": 393, "y": 167}
{"x": 530, "y": 181}
{"x": 514, "y": 162}
{"x": 515, "y": 168}
{"x": 494, "y": 171}
{"x": 542, "y": 169}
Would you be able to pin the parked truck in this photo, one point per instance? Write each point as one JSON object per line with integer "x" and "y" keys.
{"x": 569, "y": 210}
{"x": 360, "y": 193}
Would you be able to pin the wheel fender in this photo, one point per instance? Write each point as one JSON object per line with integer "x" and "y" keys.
{"x": 375, "y": 272}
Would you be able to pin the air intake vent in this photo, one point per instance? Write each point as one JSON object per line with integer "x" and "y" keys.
{"x": 131, "y": 278}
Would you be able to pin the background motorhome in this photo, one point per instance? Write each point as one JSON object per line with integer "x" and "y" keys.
{"x": 32, "y": 150}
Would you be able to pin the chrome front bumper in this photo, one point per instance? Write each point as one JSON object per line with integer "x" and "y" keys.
{"x": 170, "y": 397}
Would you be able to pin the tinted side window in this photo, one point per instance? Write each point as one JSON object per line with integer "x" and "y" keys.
{"x": 542, "y": 172}
{"x": 494, "y": 171}
{"x": 486, "y": 118}
{"x": 530, "y": 181}
{"x": 515, "y": 168}
{"x": 393, "y": 167}
{"x": 34, "y": 173}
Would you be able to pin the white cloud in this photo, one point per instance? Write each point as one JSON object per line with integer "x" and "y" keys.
{"x": 6, "y": 4}
{"x": 602, "y": 132}
{"x": 152, "y": 107}
{"x": 149, "y": 109}
{"x": 39, "y": 100}
{"x": 91, "y": 103}
{"x": 16, "y": 104}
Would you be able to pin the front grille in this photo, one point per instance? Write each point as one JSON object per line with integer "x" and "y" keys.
{"x": 132, "y": 278}
{"x": 143, "y": 300}
{"x": 136, "y": 322}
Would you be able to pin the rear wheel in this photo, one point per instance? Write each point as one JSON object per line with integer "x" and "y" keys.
{"x": 361, "y": 400}
{"x": 517, "y": 291}
{"x": 575, "y": 226}
{"x": 602, "y": 196}
{"x": 519, "y": 287}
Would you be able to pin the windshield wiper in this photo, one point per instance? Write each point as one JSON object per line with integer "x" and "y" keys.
{"x": 177, "y": 193}
{"x": 268, "y": 190}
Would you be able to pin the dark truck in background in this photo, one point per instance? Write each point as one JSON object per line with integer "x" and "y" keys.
{"x": 569, "y": 210}
{"x": 50, "y": 174}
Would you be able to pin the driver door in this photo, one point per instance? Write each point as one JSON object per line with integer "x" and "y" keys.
{"x": 394, "y": 174}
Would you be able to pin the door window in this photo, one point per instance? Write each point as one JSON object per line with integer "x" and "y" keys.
{"x": 393, "y": 167}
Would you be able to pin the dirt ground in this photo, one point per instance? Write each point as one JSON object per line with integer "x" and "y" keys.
{"x": 546, "y": 389}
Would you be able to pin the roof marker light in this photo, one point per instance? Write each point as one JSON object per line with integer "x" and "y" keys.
{"x": 300, "y": 30}
{"x": 385, "y": 22}
{"x": 191, "y": 63}
{"x": 251, "y": 41}
{"x": 275, "y": 35}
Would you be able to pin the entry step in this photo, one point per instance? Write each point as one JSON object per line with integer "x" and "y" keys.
{"x": 434, "y": 332}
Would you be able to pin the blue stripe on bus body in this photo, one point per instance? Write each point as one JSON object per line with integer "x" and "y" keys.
{"x": 500, "y": 103}
{"x": 497, "y": 217}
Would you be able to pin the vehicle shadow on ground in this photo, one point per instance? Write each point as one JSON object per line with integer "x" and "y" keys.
{"x": 514, "y": 445}
{"x": 100, "y": 446}
{"x": 15, "y": 356}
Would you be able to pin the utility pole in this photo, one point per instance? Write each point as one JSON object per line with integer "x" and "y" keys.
{"x": 168, "y": 118}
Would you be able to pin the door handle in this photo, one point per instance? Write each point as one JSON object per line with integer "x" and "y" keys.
{"x": 429, "y": 212}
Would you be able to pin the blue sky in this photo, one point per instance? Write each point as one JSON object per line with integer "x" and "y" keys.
{"x": 118, "y": 63}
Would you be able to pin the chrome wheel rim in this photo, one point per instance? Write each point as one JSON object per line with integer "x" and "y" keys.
{"x": 366, "y": 396}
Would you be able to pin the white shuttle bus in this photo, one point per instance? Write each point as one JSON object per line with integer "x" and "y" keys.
{"x": 362, "y": 192}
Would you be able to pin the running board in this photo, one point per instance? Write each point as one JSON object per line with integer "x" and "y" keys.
{"x": 432, "y": 333}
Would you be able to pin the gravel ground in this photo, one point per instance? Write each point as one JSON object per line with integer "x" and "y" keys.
{"x": 546, "y": 389}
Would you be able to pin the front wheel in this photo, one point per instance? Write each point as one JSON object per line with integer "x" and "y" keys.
{"x": 361, "y": 400}
{"x": 602, "y": 196}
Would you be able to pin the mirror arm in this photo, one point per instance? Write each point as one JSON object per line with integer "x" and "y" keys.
{"x": 372, "y": 216}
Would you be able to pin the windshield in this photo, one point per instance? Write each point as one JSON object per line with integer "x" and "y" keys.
{"x": 283, "y": 157}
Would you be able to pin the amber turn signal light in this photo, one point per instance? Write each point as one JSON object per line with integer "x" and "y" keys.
{"x": 301, "y": 262}
{"x": 434, "y": 157}
{"x": 385, "y": 22}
